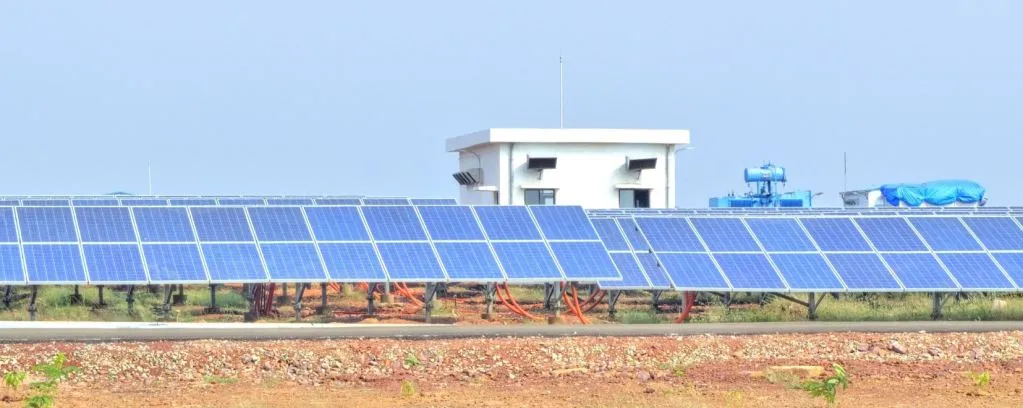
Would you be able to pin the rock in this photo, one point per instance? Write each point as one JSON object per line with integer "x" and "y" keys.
{"x": 934, "y": 352}
{"x": 863, "y": 348}
{"x": 898, "y": 348}
{"x": 644, "y": 376}
{"x": 998, "y": 305}
{"x": 649, "y": 390}
{"x": 792, "y": 371}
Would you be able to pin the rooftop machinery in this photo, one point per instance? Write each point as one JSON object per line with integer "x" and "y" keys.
{"x": 765, "y": 193}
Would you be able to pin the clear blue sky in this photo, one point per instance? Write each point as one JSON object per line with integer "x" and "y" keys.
{"x": 344, "y": 98}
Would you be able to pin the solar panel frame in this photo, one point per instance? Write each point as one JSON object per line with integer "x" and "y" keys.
{"x": 282, "y": 266}
{"x": 891, "y": 234}
{"x": 968, "y": 267}
{"x": 613, "y": 231}
{"x": 983, "y": 228}
{"x": 153, "y": 269}
{"x": 514, "y": 241}
{"x": 914, "y": 265}
{"x": 12, "y": 265}
{"x": 71, "y": 249}
{"x": 461, "y": 214}
{"x": 563, "y": 222}
{"x": 628, "y": 262}
{"x": 104, "y": 264}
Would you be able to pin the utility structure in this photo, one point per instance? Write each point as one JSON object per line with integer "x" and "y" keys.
{"x": 765, "y": 180}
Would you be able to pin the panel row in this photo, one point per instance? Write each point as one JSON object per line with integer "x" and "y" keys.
{"x": 828, "y": 254}
{"x": 212, "y": 201}
{"x": 295, "y": 243}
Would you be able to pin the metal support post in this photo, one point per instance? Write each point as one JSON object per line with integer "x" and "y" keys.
{"x": 32, "y": 303}
{"x": 213, "y": 300}
{"x": 102, "y": 303}
{"x": 612, "y": 302}
{"x": 248, "y": 292}
{"x": 130, "y": 298}
{"x": 370, "y": 305}
{"x": 489, "y": 292}
{"x": 937, "y": 305}
{"x": 179, "y": 299}
{"x": 299, "y": 290}
{"x": 548, "y": 290}
{"x": 323, "y": 299}
{"x": 430, "y": 296}
{"x": 76, "y": 298}
{"x": 726, "y": 299}
{"x": 165, "y": 308}
{"x": 284, "y": 299}
{"x": 656, "y": 301}
{"x": 8, "y": 293}
{"x": 811, "y": 306}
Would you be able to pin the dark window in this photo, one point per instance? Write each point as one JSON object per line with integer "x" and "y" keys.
{"x": 539, "y": 197}
{"x": 633, "y": 198}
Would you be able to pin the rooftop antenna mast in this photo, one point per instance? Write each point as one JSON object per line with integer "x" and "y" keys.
{"x": 150, "y": 170}
{"x": 561, "y": 86}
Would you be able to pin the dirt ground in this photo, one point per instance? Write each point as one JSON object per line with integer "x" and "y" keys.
{"x": 887, "y": 370}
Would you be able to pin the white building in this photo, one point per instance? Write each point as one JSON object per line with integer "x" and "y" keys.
{"x": 594, "y": 168}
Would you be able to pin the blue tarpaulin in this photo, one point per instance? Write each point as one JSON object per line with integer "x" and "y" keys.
{"x": 942, "y": 192}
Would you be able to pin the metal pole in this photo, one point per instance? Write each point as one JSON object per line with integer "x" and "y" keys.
{"x": 150, "y": 169}
{"x": 561, "y": 86}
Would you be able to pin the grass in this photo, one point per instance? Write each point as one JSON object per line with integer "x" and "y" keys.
{"x": 639, "y": 317}
{"x": 214, "y": 379}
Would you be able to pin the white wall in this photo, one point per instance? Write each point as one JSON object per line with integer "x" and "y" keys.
{"x": 586, "y": 174}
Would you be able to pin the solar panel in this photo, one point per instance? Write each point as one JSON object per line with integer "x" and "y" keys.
{"x": 633, "y": 234}
{"x": 469, "y": 261}
{"x": 725, "y": 234}
{"x": 352, "y": 262}
{"x": 9, "y": 203}
{"x": 394, "y": 223}
{"x": 279, "y": 224}
{"x": 143, "y": 202}
{"x": 669, "y": 234}
{"x": 835, "y": 234}
{"x": 945, "y": 234}
{"x": 337, "y": 224}
{"x": 47, "y": 224}
{"x": 45, "y": 203}
{"x": 780, "y": 234}
{"x": 105, "y": 224}
{"x": 289, "y": 201}
{"x": 891, "y": 234}
{"x": 338, "y": 201}
{"x": 174, "y": 263}
{"x": 585, "y": 261}
{"x": 114, "y": 264}
{"x": 8, "y": 228}
{"x": 693, "y": 271}
{"x": 95, "y": 202}
{"x": 451, "y": 223}
{"x": 385, "y": 201}
{"x": 863, "y": 272}
{"x": 411, "y": 262}
{"x": 221, "y": 224}
{"x": 163, "y": 224}
{"x": 241, "y": 201}
{"x": 976, "y": 271}
{"x": 1012, "y": 264}
{"x": 504, "y": 223}
{"x": 527, "y": 261}
{"x": 434, "y": 201}
{"x": 239, "y": 263}
{"x": 563, "y": 222}
{"x": 997, "y": 233}
{"x": 919, "y": 271}
{"x": 54, "y": 264}
{"x": 11, "y": 271}
{"x": 806, "y": 272}
{"x": 193, "y": 201}
{"x": 607, "y": 229}
{"x": 658, "y": 276}
{"x": 749, "y": 272}
{"x": 632, "y": 273}
{"x": 293, "y": 262}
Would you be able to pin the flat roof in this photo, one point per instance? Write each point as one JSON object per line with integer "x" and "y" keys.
{"x": 526, "y": 135}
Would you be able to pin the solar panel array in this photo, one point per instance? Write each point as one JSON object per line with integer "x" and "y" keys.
{"x": 826, "y": 252}
{"x": 97, "y": 201}
{"x": 263, "y": 243}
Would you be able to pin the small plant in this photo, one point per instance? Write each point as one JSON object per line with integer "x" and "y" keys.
{"x": 408, "y": 388}
{"x": 786, "y": 378}
{"x": 828, "y": 387}
{"x": 53, "y": 373}
{"x": 981, "y": 379}
{"x": 15, "y": 379}
{"x": 733, "y": 399}
{"x": 412, "y": 360}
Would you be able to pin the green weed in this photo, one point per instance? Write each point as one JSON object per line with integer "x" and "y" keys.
{"x": 980, "y": 380}
{"x": 638, "y": 317}
{"x": 408, "y": 389}
{"x": 44, "y": 391}
{"x": 828, "y": 387}
{"x": 214, "y": 379}
{"x": 412, "y": 360}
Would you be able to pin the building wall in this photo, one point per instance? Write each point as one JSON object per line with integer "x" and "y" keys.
{"x": 586, "y": 174}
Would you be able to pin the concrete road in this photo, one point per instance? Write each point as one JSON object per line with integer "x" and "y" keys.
{"x": 101, "y": 331}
